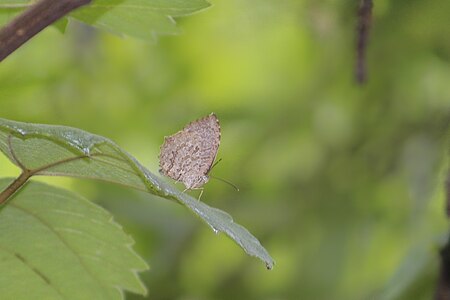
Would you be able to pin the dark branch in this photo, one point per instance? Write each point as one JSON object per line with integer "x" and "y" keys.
{"x": 443, "y": 286}
{"x": 364, "y": 22}
{"x": 448, "y": 194}
{"x": 32, "y": 21}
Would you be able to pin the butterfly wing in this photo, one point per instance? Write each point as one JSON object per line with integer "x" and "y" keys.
{"x": 188, "y": 155}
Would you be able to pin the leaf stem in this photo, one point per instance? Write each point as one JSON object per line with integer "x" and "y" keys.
{"x": 29, "y": 23}
{"x": 14, "y": 186}
{"x": 26, "y": 174}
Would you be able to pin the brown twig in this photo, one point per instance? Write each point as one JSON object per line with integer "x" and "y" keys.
{"x": 14, "y": 186}
{"x": 364, "y": 22}
{"x": 32, "y": 21}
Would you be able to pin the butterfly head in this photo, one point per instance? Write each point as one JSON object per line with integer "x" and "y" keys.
{"x": 195, "y": 182}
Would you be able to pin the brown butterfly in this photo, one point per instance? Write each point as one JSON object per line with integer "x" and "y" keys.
{"x": 188, "y": 155}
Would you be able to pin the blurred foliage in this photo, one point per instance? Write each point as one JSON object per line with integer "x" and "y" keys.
{"x": 341, "y": 183}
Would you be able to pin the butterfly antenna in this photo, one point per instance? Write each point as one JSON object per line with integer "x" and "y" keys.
{"x": 226, "y": 181}
{"x": 215, "y": 164}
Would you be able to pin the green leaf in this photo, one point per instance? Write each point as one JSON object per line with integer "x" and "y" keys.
{"x": 57, "y": 245}
{"x": 65, "y": 151}
{"x": 61, "y": 25}
{"x": 137, "y": 18}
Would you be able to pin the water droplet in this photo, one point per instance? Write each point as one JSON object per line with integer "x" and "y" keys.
{"x": 87, "y": 151}
{"x": 21, "y": 131}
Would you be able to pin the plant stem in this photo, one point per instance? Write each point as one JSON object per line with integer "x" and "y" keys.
{"x": 32, "y": 21}
{"x": 26, "y": 174}
{"x": 14, "y": 186}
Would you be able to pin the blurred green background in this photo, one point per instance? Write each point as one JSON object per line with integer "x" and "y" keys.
{"x": 341, "y": 183}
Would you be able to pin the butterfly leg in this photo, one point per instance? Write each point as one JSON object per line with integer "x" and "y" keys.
{"x": 201, "y": 193}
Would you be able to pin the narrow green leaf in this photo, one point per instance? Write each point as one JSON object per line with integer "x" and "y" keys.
{"x": 65, "y": 151}
{"x": 61, "y": 25}
{"x": 58, "y": 245}
{"x": 8, "y": 9}
{"x": 409, "y": 272}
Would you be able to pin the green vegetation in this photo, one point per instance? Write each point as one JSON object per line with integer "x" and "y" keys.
{"x": 342, "y": 184}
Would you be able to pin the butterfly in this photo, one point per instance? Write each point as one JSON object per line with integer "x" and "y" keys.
{"x": 188, "y": 155}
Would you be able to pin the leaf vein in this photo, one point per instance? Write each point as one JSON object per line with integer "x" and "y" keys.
{"x": 66, "y": 244}
{"x": 35, "y": 271}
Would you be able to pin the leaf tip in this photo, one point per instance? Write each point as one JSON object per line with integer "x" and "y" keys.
{"x": 270, "y": 265}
